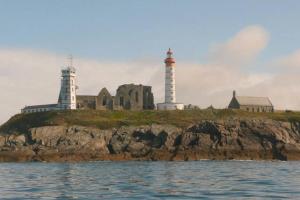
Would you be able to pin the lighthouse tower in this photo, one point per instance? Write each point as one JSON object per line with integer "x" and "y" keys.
{"x": 170, "y": 96}
{"x": 170, "y": 88}
{"x": 67, "y": 95}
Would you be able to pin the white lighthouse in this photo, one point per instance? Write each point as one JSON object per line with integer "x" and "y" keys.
{"x": 170, "y": 88}
{"x": 67, "y": 95}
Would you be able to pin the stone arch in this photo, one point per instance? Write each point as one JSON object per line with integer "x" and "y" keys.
{"x": 104, "y": 100}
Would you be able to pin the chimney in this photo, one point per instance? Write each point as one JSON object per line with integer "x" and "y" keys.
{"x": 234, "y": 93}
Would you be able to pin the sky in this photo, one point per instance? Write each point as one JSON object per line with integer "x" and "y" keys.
{"x": 250, "y": 46}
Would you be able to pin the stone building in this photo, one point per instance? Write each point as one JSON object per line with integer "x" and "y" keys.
{"x": 251, "y": 104}
{"x": 128, "y": 97}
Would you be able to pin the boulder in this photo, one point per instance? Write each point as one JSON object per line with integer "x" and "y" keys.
{"x": 2, "y": 140}
{"x": 16, "y": 140}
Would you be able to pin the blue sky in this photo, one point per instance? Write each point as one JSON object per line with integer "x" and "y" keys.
{"x": 251, "y": 46}
{"x": 130, "y": 29}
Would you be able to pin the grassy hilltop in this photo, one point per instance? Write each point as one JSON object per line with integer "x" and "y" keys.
{"x": 109, "y": 119}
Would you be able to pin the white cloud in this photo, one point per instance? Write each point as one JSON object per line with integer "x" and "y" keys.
{"x": 284, "y": 85}
{"x": 241, "y": 49}
{"x": 290, "y": 61}
{"x": 93, "y": 75}
{"x": 33, "y": 77}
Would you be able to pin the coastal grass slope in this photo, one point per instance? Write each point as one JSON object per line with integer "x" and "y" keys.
{"x": 21, "y": 123}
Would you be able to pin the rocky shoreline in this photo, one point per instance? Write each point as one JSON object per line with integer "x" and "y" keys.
{"x": 252, "y": 139}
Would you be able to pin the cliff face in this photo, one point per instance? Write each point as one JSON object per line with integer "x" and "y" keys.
{"x": 229, "y": 139}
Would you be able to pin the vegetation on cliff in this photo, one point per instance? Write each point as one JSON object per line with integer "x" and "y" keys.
{"x": 21, "y": 123}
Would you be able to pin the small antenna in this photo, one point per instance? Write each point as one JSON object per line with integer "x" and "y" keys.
{"x": 70, "y": 58}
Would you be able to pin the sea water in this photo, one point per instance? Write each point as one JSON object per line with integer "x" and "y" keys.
{"x": 151, "y": 180}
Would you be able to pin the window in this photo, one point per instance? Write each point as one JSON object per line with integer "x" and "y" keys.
{"x": 104, "y": 101}
{"x": 121, "y": 101}
{"x": 136, "y": 96}
{"x": 247, "y": 109}
{"x": 73, "y": 98}
{"x": 130, "y": 93}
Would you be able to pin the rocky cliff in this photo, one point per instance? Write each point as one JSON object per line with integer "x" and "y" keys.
{"x": 252, "y": 139}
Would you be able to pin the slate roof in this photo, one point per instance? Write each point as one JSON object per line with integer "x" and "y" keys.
{"x": 41, "y": 106}
{"x": 253, "y": 101}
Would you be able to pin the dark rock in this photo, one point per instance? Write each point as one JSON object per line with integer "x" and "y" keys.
{"x": 257, "y": 139}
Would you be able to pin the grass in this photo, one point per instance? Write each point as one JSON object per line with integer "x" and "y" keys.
{"x": 21, "y": 123}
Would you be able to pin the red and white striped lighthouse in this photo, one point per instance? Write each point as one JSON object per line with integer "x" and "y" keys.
{"x": 170, "y": 92}
{"x": 170, "y": 86}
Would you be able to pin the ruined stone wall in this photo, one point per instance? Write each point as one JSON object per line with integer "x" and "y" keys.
{"x": 86, "y": 102}
{"x": 134, "y": 97}
{"x": 104, "y": 100}
{"x": 128, "y": 97}
{"x": 148, "y": 98}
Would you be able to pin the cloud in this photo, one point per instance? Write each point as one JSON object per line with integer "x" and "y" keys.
{"x": 29, "y": 77}
{"x": 291, "y": 61}
{"x": 210, "y": 84}
{"x": 282, "y": 89}
{"x": 284, "y": 85}
{"x": 242, "y": 48}
{"x": 93, "y": 74}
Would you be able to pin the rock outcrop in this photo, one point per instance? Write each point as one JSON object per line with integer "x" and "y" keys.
{"x": 229, "y": 139}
